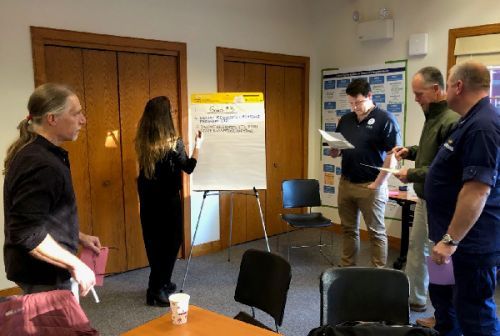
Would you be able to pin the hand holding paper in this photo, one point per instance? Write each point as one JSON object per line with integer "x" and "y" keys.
{"x": 336, "y": 141}
{"x": 389, "y": 170}
{"x": 440, "y": 274}
{"x": 96, "y": 262}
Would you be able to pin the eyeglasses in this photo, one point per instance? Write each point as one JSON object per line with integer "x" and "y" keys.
{"x": 357, "y": 103}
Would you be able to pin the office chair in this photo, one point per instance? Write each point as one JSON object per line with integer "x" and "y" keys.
{"x": 364, "y": 294}
{"x": 263, "y": 283}
{"x": 301, "y": 193}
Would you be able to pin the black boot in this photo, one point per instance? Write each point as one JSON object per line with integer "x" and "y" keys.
{"x": 170, "y": 288}
{"x": 157, "y": 298}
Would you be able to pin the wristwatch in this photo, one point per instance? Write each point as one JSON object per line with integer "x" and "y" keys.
{"x": 449, "y": 241}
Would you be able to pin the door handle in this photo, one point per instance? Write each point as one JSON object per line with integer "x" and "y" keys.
{"x": 106, "y": 183}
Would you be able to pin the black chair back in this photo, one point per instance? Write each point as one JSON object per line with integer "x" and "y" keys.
{"x": 263, "y": 282}
{"x": 364, "y": 294}
{"x": 300, "y": 193}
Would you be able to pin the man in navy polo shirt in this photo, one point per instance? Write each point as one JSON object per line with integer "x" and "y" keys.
{"x": 462, "y": 190}
{"x": 373, "y": 132}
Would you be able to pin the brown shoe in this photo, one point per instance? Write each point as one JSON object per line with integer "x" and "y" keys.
{"x": 428, "y": 322}
{"x": 419, "y": 308}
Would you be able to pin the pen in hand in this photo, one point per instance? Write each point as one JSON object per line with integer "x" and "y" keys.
{"x": 96, "y": 298}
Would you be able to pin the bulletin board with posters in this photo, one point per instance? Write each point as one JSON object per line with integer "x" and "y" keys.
{"x": 388, "y": 83}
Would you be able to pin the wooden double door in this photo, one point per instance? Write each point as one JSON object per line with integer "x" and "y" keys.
{"x": 284, "y": 81}
{"x": 113, "y": 86}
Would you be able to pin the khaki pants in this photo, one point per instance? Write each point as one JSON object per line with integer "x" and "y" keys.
{"x": 354, "y": 198}
{"x": 418, "y": 250}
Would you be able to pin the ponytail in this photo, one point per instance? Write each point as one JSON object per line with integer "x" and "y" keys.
{"x": 47, "y": 98}
{"x": 26, "y": 136}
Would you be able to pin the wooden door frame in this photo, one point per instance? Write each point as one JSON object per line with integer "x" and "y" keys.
{"x": 455, "y": 33}
{"x": 40, "y": 37}
{"x": 258, "y": 57}
{"x": 247, "y": 56}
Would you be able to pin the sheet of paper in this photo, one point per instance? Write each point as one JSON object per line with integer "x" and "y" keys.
{"x": 389, "y": 170}
{"x": 96, "y": 262}
{"x": 336, "y": 141}
{"x": 440, "y": 274}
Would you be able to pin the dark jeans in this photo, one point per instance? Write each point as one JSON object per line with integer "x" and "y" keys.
{"x": 162, "y": 233}
{"x": 468, "y": 307}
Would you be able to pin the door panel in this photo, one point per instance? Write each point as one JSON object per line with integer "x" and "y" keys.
{"x": 105, "y": 169}
{"x": 292, "y": 121}
{"x": 275, "y": 144}
{"x": 234, "y": 76}
{"x": 113, "y": 87}
{"x": 255, "y": 81}
{"x": 65, "y": 66}
{"x": 163, "y": 79}
{"x": 239, "y": 218}
{"x": 284, "y": 98}
{"x": 134, "y": 94}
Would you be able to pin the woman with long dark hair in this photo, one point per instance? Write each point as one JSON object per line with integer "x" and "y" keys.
{"x": 162, "y": 158}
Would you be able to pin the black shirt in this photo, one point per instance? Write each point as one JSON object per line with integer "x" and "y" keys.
{"x": 38, "y": 200}
{"x": 167, "y": 180}
{"x": 371, "y": 137}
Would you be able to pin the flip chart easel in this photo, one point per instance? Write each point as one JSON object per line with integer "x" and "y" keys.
{"x": 216, "y": 193}
{"x": 233, "y": 158}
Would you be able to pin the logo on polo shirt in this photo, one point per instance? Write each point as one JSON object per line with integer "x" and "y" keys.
{"x": 370, "y": 122}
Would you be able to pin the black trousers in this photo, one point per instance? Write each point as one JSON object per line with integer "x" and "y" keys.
{"x": 162, "y": 233}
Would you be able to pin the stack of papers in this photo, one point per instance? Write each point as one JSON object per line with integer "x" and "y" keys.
{"x": 336, "y": 141}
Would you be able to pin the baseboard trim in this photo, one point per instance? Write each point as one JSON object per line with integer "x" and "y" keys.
{"x": 207, "y": 248}
{"x": 10, "y": 291}
{"x": 216, "y": 246}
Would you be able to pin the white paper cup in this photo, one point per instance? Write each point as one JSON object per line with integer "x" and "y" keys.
{"x": 179, "y": 305}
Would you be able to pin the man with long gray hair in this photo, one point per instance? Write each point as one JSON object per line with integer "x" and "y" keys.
{"x": 41, "y": 224}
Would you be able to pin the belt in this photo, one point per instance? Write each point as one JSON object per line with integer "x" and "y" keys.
{"x": 355, "y": 180}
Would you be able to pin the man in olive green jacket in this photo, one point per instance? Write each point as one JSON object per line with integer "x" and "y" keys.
{"x": 428, "y": 88}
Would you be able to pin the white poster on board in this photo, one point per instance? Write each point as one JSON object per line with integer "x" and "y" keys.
{"x": 388, "y": 83}
{"x": 233, "y": 155}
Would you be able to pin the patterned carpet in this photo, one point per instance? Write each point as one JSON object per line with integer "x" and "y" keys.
{"x": 211, "y": 283}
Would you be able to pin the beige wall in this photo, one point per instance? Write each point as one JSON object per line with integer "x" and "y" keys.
{"x": 320, "y": 29}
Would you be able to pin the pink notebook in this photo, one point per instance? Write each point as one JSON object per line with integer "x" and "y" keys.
{"x": 440, "y": 274}
{"x": 96, "y": 262}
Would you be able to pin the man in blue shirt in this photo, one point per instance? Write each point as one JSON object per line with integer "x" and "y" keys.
{"x": 462, "y": 190}
{"x": 373, "y": 132}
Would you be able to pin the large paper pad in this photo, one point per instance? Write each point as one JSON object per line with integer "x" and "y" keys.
{"x": 233, "y": 156}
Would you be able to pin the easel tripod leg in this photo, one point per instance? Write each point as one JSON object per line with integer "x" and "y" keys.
{"x": 230, "y": 228}
{"x": 262, "y": 218}
{"x": 192, "y": 242}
